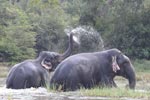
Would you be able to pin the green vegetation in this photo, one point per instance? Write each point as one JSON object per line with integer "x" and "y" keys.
{"x": 115, "y": 93}
{"x": 30, "y": 26}
{"x": 3, "y": 70}
{"x": 142, "y": 65}
{"x": 142, "y": 68}
{"x": 16, "y": 38}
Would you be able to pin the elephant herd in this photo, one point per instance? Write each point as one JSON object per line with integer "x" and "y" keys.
{"x": 72, "y": 72}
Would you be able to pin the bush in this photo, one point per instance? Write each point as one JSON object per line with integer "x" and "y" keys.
{"x": 17, "y": 38}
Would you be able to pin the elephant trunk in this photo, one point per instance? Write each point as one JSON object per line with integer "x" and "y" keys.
{"x": 69, "y": 50}
{"x": 130, "y": 75}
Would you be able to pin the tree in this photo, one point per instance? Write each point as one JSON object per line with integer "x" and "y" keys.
{"x": 130, "y": 32}
{"x": 49, "y": 21}
{"x": 123, "y": 24}
{"x": 17, "y": 38}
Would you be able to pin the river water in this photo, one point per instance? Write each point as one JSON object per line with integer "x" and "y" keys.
{"x": 44, "y": 94}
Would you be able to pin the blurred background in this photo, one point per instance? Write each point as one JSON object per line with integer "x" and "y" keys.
{"x": 30, "y": 26}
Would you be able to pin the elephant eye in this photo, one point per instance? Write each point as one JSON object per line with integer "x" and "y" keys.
{"x": 47, "y": 60}
{"x": 55, "y": 59}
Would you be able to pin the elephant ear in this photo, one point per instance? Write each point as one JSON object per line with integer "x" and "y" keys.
{"x": 46, "y": 64}
{"x": 115, "y": 66}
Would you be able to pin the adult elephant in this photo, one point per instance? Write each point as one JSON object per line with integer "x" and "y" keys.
{"x": 86, "y": 70}
{"x": 35, "y": 73}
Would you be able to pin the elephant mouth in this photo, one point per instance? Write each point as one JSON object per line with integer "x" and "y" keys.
{"x": 46, "y": 65}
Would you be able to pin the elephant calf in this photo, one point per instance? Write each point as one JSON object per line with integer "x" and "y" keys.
{"x": 90, "y": 69}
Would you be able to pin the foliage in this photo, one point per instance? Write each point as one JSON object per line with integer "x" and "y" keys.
{"x": 130, "y": 32}
{"x": 49, "y": 24}
{"x": 17, "y": 38}
{"x": 27, "y": 26}
{"x": 142, "y": 65}
{"x": 124, "y": 24}
{"x": 33, "y": 24}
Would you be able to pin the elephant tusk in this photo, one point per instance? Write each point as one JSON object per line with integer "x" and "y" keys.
{"x": 45, "y": 66}
{"x": 115, "y": 66}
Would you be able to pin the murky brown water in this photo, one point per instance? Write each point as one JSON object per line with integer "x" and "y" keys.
{"x": 44, "y": 94}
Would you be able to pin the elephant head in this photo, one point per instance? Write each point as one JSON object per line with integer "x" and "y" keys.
{"x": 49, "y": 60}
{"x": 122, "y": 66}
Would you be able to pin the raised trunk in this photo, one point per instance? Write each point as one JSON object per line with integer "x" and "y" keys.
{"x": 69, "y": 50}
{"x": 130, "y": 75}
{"x": 41, "y": 56}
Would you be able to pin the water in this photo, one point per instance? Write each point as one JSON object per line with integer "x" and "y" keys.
{"x": 88, "y": 38}
{"x": 44, "y": 94}
{"x": 22, "y": 94}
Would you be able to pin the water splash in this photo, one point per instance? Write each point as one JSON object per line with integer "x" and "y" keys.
{"x": 88, "y": 38}
{"x": 69, "y": 31}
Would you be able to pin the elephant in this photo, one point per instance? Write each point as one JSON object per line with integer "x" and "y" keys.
{"x": 87, "y": 70}
{"x": 35, "y": 73}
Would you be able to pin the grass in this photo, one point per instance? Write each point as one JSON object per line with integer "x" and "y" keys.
{"x": 3, "y": 70}
{"x": 142, "y": 65}
{"x": 142, "y": 68}
{"x": 115, "y": 93}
